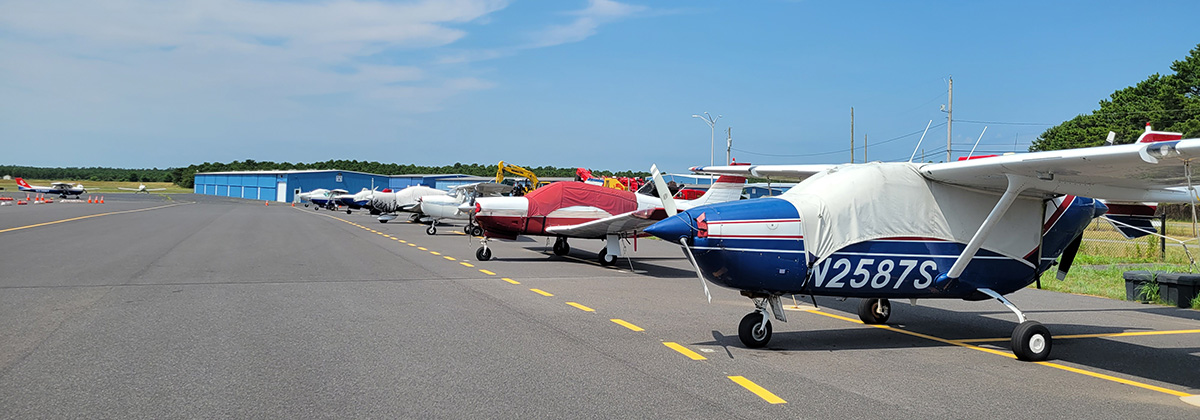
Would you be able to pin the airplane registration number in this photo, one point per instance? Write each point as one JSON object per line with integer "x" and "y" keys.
{"x": 836, "y": 273}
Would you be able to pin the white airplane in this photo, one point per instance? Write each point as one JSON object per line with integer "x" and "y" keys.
{"x": 974, "y": 229}
{"x": 357, "y": 201}
{"x": 306, "y": 197}
{"x": 404, "y": 200}
{"x": 323, "y": 198}
{"x": 459, "y": 204}
{"x": 141, "y": 189}
{"x": 63, "y": 189}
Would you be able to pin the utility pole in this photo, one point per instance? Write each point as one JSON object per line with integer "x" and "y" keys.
{"x": 865, "y": 160}
{"x": 949, "y": 117}
{"x": 851, "y": 134}
{"x": 728, "y": 145}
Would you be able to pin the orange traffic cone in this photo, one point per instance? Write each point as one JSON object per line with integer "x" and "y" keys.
{"x": 102, "y": 199}
{"x": 266, "y": 203}
{"x": 89, "y": 199}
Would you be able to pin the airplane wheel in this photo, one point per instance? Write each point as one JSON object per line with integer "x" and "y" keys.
{"x": 305, "y": 204}
{"x": 348, "y": 211}
{"x": 483, "y": 254}
{"x": 1031, "y": 342}
{"x": 383, "y": 221}
{"x": 561, "y": 247}
{"x": 431, "y": 230}
{"x": 874, "y": 311}
{"x": 605, "y": 259}
{"x": 749, "y": 332}
{"x": 476, "y": 231}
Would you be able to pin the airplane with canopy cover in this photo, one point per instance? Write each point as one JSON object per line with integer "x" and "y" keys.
{"x": 972, "y": 229}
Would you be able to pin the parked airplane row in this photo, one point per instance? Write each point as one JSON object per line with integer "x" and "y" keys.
{"x": 973, "y": 229}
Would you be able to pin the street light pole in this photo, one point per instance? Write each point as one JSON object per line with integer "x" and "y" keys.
{"x": 712, "y": 135}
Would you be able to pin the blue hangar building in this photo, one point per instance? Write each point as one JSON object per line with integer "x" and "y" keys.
{"x": 282, "y": 186}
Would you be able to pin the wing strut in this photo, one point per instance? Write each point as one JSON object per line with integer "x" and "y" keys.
{"x": 1016, "y": 184}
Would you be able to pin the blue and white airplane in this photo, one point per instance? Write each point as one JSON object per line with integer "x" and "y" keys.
{"x": 973, "y": 229}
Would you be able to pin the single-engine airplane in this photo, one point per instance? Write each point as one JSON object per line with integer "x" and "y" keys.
{"x": 141, "y": 189}
{"x": 580, "y": 210}
{"x": 63, "y": 189}
{"x": 459, "y": 204}
{"x": 388, "y": 204}
{"x": 972, "y": 229}
{"x": 322, "y": 198}
{"x": 357, "y": 201}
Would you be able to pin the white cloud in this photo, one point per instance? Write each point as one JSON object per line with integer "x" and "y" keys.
{"x": 586, "y": 23}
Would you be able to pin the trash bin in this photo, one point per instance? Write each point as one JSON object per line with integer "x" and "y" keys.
{"x": 1178, "y": 288}
{"x": 1134, "y": 281}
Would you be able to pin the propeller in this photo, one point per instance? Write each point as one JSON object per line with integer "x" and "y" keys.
{"x": 1068, "y": 256}
{"x": 663, "y": 192}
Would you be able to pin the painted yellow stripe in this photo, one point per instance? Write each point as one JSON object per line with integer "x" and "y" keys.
{"x": 403, "y": 241}
{"x": 627, "y": 325}
{"x": 457, "y": 233}
{"x": 961, "y": 343}
{"x": 581, "y": 307}
{"x": 1115, "y": 379}
{"x": 757, "y": 390}
{"x": 541, "y": 292}
{"x": 411, "y": 244}
{"x": 449, "y": 258}
{"x": 1102, "y": 335}
{"x": 486, "y": 272}
{"x": 435, "y": 253}
{"x": 684, "y": 351}
{"x": 91, "y": 216}
{"x": 510, "y": 280}
{"x": 423, "y": 248}
{"x": 467, "y": 264}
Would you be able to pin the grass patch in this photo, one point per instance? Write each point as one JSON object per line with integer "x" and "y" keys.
{"x": 1107, "y": 282}
{"x": 99, "y": 187}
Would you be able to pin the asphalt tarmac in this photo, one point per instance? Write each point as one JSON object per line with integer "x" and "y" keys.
{"x": 152, "y": 306}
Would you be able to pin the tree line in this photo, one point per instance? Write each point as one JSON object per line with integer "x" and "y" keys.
{"x": 1169, "y": 102}
{"x": 185, "y": 177}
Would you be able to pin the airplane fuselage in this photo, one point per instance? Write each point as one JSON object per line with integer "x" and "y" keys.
{"x": 508, "y": 217}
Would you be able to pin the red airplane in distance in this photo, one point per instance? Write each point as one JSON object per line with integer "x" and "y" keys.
{"x": 580, "y": 210}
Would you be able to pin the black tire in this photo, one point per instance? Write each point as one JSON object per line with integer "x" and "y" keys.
{"x": 431, "y": 230}
{"x": 561, "y": 247}
{"x": 483, "y": 254}
{"x": 874, "y": 311}
{"x": 383, "y": 221}
{"x": 305, "y": 204}
{"x": 1031, "y": 342}
{"x": 605, "y": 259}
{"x": 747, "y": 331}
{"x": 476, "y": 231}
{"x": 348, "y": 211}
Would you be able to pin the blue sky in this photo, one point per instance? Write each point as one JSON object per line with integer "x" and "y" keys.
{"x": 599, "y": 84}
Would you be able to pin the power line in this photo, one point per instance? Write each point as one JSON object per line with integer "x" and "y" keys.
{"x": 838, "y": 151}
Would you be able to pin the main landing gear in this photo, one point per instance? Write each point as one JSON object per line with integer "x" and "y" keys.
{"x": 561, "y": 247}
{"x": 483, "y": 253}
{"x": 874, "y": 311}
{"x": 1031, "y": 340}
{"x": 431, "y": 230}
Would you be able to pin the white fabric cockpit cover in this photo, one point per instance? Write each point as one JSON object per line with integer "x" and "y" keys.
{"x": 855, "y": 203}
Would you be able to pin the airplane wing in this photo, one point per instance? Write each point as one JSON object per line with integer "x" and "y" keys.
{"x": 621, "y": 223}
{"x": 783, "y": 172}
{"x": 1149, "y": 172}
{"x": 156, "y": 189}
{"x": 127, "y": 189}
{"x": 492, "y": 188}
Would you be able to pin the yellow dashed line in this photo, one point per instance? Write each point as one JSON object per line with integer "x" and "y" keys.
{"x": 422, "y": 248}
{"x": 541, "y": 292}
{"x": 402, "y": 241}
{"x": 757, "y": 390}
{"x": 411, "y": 244}
{"x": 510, "y": 280}
{"x": 486, "y": 272}
{"x": 627, "y": 325}
{"x": 467, "y": 264}
{"x": 449, "y": 258}
{"x": 457, "y": 233}
{"x": 435, "y": 253}
{"x": 684, "y": 351}
{"x": 581, "y": 307}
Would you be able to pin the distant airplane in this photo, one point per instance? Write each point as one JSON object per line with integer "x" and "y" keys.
{"x": 973, "y": 229}
{"x": 63, "y": 189}
{"x": 306, "y": 197}
{"x": 580, "y": 210}
{"x": 141, "y": 189}
{"x": 357, "y": 201}
{"x": 404, "y": 200}
{"x": 322, "y": 198}
{"x": 459, "y": 204}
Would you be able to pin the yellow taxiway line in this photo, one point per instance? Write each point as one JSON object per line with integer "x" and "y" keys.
{"x": 757, "y": 390}
{"x": 90, "y": 216}
{"x": 625, "y": 324}
{"x": 684, "y": 351}
{"x": 581, "y": 307}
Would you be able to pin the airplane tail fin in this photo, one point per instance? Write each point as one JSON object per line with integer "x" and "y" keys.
{"x": 727, "y": 188}
{"x": 1133, "y": 220}
{"x": 21, "y": 182}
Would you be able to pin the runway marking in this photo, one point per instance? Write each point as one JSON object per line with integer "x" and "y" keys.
{"x": 486, "y": 272}
{"x": 467, "y": 264}
{"x": 422, "y": 248}
{"x": 411, "y": 244}
{"x": 1101, "y": 335}
{"x": 91, "y": 216}
{"x": 402, "y": 241}
{"x": 757, "y": 390}
{"x": 963, "y": 343}
{"x": 449, "y": 258}
{"x": 625, "y": 324}
{"x": 581, "y": 307}
{"x": 435, "y": 253}
{"x": 510, "y": 280}
{"x": 541, "y": 292}
{"x": 684, "y": 351}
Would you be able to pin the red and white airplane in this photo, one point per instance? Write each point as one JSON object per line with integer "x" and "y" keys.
{"x": 63, "y": 189}
{"x": 580, "y": 210}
